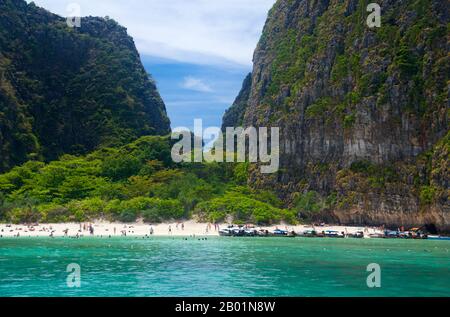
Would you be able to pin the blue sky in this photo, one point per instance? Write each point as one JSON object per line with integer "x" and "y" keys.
{"x": 198, "y": 51}
{"x": 193, "y": 91}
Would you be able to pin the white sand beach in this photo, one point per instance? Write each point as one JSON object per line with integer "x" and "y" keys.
{"x": 188, "y": 228}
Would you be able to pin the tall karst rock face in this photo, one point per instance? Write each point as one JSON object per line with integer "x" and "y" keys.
{"x": 363, "y": 111}
{"x": 234, "y": 116}
{"x": 70, "y": 90}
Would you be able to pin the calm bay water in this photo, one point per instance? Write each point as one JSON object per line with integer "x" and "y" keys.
{"x": 223, "y": 267}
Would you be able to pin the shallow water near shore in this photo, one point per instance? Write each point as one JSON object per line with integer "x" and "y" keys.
{"x": 223, "y": 267}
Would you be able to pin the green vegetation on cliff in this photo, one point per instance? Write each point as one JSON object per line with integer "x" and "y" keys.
{"x": 329, "y": 40}
{"x": 134, "y": 181}
{"x": 70, "y": 90}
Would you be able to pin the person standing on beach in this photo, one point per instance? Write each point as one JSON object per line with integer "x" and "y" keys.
{"x": 182, "y": 226}
{"x": 170, "y": 229}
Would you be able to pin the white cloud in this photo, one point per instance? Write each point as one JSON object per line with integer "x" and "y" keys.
{"x": 199, "y": 31}
{"x": 195, "y": 84}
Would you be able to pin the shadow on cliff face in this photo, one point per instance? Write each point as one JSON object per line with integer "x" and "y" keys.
{"x": 431, "y": 228}
{"x": 324, "y": 216}
{"x": 344, "y": 218}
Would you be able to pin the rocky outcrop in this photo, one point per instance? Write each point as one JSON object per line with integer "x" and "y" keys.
{"x": 70, "y": 90}
{"x": 363, "y": 111}
{"x": 234, "y": 116}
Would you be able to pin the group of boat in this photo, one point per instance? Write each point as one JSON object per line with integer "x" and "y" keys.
{"x": 246, "y": 231}
{"x": 250, "y": 231}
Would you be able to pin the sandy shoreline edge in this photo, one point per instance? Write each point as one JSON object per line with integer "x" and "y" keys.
{"x": 188, "y": 228}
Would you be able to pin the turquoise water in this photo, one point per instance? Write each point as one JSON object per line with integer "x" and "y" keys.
{"x": 223, "y": 267}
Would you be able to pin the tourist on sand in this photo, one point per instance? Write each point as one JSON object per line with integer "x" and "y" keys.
{"x": 114, "y": 230}
{"x": 151, "y": 230}
{"x": 182, "y": 226}
{"x": 170, "y": 229}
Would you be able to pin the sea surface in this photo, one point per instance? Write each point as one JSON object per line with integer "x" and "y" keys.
{"x": 223, "y": 267}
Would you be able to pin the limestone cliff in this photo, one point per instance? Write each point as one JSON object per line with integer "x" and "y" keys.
{"x": 363, "y": 111}
{"x": 234, "y": 116}
{"x": 70, "y": 90}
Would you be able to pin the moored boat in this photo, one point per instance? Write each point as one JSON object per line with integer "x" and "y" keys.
{"x": 263, "y": 233}
{"x": 225, "y": 232}
{"x": 357, "y": 235}
{"x": 280, "y": 233}
{"x": 389, "y": 234}
{"x": 333, "y": 234}
{"x": 434, "y": 237}
{"x": 376, "y": 235}
{"x": 309, "y": 234}
{"x": 250, "y": 232}
{"x": 238, "y": 231}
